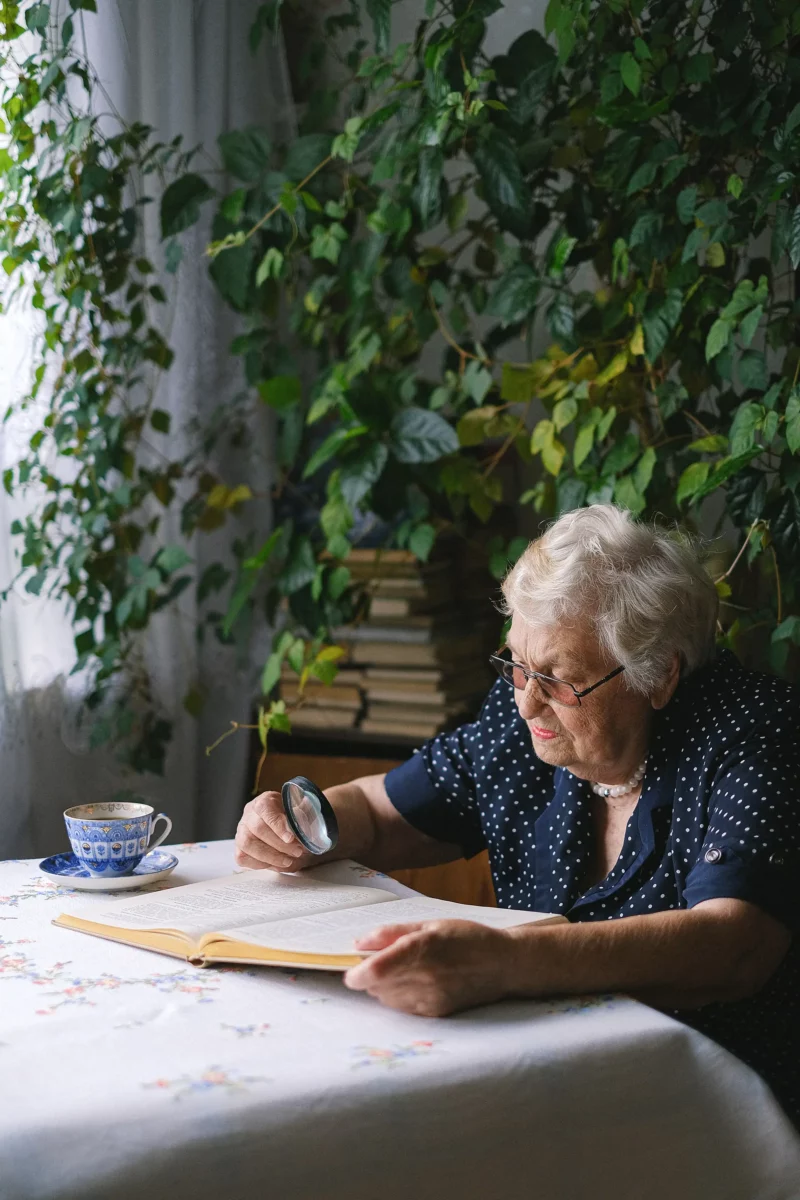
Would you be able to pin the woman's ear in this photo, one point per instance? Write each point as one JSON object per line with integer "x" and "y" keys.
{"x": 662, "y": 696}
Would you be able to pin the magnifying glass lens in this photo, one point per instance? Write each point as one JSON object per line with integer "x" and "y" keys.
{"x": 310, "y": 815}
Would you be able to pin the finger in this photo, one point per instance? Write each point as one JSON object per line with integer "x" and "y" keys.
{"x": 381, "y": 965}
{"x": 269, "y": 806}
{"x": 264, "y": 853}
{"x": 255, "y": 825}
{"x": 385, "y": 935}
{"x": 250, "y": 864}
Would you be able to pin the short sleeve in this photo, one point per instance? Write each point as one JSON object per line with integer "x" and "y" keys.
{"x": 752, "y": 846}
{"x": 436, "y": 790}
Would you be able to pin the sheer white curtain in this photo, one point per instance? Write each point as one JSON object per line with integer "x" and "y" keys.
{"x": 182, "y": 66}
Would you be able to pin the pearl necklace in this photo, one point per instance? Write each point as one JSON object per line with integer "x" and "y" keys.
{"x": 620, "y": 789}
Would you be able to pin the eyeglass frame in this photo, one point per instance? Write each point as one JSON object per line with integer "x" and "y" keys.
{"x": 501, "y": 663}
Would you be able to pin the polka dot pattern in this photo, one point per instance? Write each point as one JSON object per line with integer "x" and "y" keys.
{"x": 719, "y": 816}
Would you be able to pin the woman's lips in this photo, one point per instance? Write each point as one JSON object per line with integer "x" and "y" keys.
{"x": 544, "y": 734}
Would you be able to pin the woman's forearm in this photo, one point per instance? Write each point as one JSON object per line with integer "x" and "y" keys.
{"x": 721, "y": 950}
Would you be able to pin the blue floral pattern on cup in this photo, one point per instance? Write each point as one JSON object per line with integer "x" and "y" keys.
{"x": 112, "y": 838}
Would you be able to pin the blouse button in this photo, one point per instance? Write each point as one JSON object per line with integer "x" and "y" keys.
{"x": 777, "y": 860}
{"x": 713, "y": 855}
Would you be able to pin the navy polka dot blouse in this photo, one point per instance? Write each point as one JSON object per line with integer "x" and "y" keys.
{"x": 718, "y": 816}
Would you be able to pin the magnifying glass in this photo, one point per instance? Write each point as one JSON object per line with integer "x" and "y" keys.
{"x": 310, "y": 816}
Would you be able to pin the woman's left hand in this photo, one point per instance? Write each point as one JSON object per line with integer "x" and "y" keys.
{"x": 433, "y": 968}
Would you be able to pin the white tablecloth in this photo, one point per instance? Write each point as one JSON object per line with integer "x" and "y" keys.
{"x": 128, "y": 1074}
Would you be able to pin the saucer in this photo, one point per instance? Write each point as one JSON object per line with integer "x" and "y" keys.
{"x": 66, "y": 869}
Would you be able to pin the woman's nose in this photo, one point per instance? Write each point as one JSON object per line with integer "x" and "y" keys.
{"x": 530, "y": 701}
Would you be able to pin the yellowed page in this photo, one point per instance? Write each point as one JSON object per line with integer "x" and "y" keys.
{"x": 233, "y": 904}
{"x": 166, "y": 942}
{"x": 333, "y": 932}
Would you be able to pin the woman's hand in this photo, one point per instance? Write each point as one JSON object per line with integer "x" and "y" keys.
{"x": 264, "y": 839}
{"x": 433, "y": 968}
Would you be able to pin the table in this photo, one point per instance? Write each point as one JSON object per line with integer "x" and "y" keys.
{"x": 128, "y": 1074}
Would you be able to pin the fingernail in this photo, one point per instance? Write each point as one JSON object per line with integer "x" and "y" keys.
{"x": 287, "y": 837}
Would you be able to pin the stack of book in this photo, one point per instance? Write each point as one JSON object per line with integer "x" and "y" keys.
{"x": 330, "y": 707}
{"x": 423, "y": 658}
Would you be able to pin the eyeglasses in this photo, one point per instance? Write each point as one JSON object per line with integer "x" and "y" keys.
{"x": 557, "y": 690}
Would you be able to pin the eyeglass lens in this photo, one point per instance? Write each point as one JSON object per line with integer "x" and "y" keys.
{"x": 553, "y": 689}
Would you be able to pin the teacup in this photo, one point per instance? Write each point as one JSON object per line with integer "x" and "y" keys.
{"x": 112, "y": 838}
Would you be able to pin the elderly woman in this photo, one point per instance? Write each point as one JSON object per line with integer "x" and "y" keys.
{"x": 621, "y": 772}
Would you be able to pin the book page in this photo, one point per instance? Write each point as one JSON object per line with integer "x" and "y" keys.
{"x": 238, "y": 901}
{"x": 334, "y": 932}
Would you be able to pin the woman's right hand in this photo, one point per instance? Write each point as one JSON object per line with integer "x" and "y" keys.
{"x": 264, "y": 839}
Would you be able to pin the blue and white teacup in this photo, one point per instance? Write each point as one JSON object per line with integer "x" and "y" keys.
{"x": 112, "y": 838}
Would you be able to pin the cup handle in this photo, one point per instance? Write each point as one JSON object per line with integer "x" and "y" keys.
{"x": 167, "y": 831}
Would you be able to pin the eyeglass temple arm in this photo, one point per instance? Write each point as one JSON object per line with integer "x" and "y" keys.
{"x": 605, "y": 679}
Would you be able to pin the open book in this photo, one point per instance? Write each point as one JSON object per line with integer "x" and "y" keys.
{"x": 303, "y": 920}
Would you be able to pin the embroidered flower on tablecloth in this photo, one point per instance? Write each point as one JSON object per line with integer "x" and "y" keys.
{"x": 393, "y": 1056}
{"x": 246, "y": 1031}
{"x": 213, "y": 1079}
{"x": 72, "y": 992}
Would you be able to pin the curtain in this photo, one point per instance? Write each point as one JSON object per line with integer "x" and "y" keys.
{"x": 182, "y": 66}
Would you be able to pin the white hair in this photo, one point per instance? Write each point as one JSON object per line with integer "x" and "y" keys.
{"x": 644, "y": 589}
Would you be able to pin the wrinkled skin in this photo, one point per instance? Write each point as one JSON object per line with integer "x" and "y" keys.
{"x": 433, "y": 968}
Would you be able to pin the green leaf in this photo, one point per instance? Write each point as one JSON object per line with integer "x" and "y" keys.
{"x": 270, "y": 266}
{"x": 584, "y": 440}
{"x": 421, "y": 541}
{"x": 180, "y": 204}
{"x": 426, "y": 194}
{"x": 753, "y": 370}
{"x": 380, "y": 13}
{"x": 644, "y": 470}
{"x": 305, "y": 153}
{"x": 659, "y": 322}
{"x": 476, "y": 381}
{"x": 345, "y": 145}
{"x": 160, "y": 420}
{"x": 749, "y": 324}
{"x": 746, "y": 422}
{"x": 515, "y": 294}
{"x": 628, "y": 495}
{"x": 172, "y": 558}
{"x": 631, "y": 73}
{"x": 300, "y": 568}
{"x": 282, "y": 392}
{"x": 792, "y": 427}
{"x": 564, "y": 412}
{"x": 241, "y": 594}
{"x": 246, "y": 153}
{"x": 37, "y": 16}
{"x": 718, "y": 338}
{"x": 788, "y": 630}
{"x": 503, "y": 183}
{"x": 332, "y": 445}
{"x": 793, "y": 244}
{"x": 647, "y": 226}
{"x": 358, "y": 475}
{"x": 715, "y": 443}
{"x": 735, "y": 186}
{"x": 418, "y": 435}
{"x": 621, "y": 456}
{"x": 685, "y": 204}
{"x": 715, "y": 255}
{"x": 725, "y": 469}
{"x": 692, "y": 478}
{"x": 605, "y": 422}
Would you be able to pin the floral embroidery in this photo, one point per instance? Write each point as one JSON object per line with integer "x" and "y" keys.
{"x": 73, "y": 992}
{"x": 213, "y": 1079}
{"x": 189, "y": 847}
{"x": 36, "y": 889}
{"x": 246, "y": 1031}
{"x": 20, "y": 966}
{"x": 369, "y": 1056}
{"x": 579, "y": 1004}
